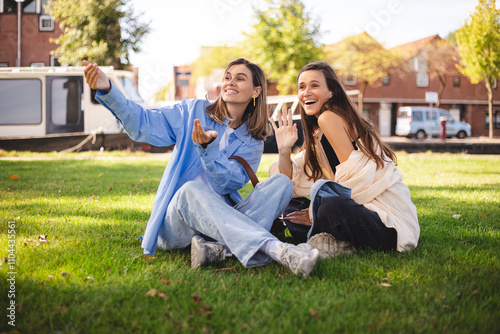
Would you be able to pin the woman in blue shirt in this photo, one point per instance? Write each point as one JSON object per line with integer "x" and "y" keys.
{"x": 192, "y": 198}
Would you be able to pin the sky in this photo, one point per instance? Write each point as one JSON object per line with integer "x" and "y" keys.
{"x": 180, "y": 28}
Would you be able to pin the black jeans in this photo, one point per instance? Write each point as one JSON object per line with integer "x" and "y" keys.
{"x": 346, "y": 220}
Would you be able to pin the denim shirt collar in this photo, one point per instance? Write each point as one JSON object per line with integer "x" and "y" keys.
{"x": 241, "y": 132}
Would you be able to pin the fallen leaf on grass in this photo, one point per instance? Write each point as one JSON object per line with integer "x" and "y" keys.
{"x": 101, "y": 174}
{"x": 151, "y": 293}
{"x": 385, "y": 284}
{"x": 163, "y": 295}
{"x": 166, "y": 282}
{"x": 5, "y": 259}
{"x": 196, "y": 298}
{"x": 14, "y": 176}
{"x": 456, "y": 216}
{"x": 62, "y": 309}
{"x": 474, "y": 292}
{"x": 51, "y": 221}
{"x": 50, "y": 276}
{"x": 143, "y": 179}
{"x": 42, "y": 239}
{"x": 64, "y": 274}
{"x": 90, "y": 278}
{"x": 204, "y": 310}
{"x": 313, "y": 313}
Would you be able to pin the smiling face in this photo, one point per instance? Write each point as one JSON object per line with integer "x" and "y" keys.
{"x": 313, "y": 91}
{"x": 237, "y": 86}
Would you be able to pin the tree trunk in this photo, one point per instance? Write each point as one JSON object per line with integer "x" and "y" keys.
{"x": 490, "y": 105}
{"x": 442, "y": 79}
{"x": 360, "y": 97}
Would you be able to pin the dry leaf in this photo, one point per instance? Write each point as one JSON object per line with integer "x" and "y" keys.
{"x": 151, "y": 293}
{"x": 143, "y": 179}
{"x": 313, "y": 313}
{"x": 64, "y": 274}
{"x": 90, "y": 278}
{"x": 196, "y": 298}
{"x": 162, "y": 295}
{"x": 456, "y": 216}
{"x": 42, "y": 239}
{"x": 204, "y": 310}
{"x": 385, "y": 284}
{"x": 101, "y": 174}
{"x": 14, "y": 176}
{"x": 50, "y": 276}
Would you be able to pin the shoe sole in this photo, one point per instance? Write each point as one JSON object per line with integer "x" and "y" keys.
{"x": 329, "y": 247}
{"x": 197, "y": 252}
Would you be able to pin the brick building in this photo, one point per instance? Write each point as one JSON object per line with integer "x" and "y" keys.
{"x": 466, "y": 101}
{"x": 37, "y": 28}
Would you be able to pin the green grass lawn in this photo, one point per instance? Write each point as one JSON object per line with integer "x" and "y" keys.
{"x": 91, "y": 277}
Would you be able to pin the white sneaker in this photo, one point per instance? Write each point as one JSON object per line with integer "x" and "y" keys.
{"x": 329, "y": 247}
{"x": 299, "y": 259}
{"x": 205, "y": 252}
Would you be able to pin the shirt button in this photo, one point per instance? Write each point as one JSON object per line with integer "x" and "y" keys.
{"x": 225, "y": 151}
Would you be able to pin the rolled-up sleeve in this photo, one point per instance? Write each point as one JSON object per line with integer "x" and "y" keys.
{"x": 228, "y": 175}
{"x": 301, "y": 182}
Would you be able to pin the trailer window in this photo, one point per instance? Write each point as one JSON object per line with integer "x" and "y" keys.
{"x": 65, "y": 98}
{"x": 20, "y": 101}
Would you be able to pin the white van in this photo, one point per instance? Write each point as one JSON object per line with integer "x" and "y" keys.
{"x": 420, "y": 122}
{"x": 46, "y": 101}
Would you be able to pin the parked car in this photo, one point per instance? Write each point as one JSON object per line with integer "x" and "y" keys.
{"x": 420, "y": 122}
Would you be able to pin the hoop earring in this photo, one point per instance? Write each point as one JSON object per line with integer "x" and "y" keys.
{"x": 254, "y": 101}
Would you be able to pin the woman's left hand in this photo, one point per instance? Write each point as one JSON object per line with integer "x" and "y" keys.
{"x": 201, "y": 136}
{"x": 299, "y": 217}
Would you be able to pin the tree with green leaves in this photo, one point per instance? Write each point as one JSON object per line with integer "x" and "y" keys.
{"x": 479, "y": 48}
{"x": 362, "y": 56}
{"x": 104, "y": 32}
{"x": 283, "y": 40}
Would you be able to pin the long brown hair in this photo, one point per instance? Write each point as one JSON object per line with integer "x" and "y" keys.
{"x": 255, "y": 116}
{"x": 359, "y": 129}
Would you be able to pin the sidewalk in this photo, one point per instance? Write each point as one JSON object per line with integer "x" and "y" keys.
{"x": 471, "y": 145}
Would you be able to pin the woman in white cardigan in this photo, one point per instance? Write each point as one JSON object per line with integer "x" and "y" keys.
{"x": 357, "y": 197}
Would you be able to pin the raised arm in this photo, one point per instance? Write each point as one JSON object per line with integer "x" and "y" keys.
{"x": 286, "y": 135}
{"x": 96, "y": 78}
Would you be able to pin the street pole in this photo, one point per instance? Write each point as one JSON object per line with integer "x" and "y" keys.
{"x": 19, "y": 10}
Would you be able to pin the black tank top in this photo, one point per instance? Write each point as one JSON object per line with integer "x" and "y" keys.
{"x": 330, "y": 153}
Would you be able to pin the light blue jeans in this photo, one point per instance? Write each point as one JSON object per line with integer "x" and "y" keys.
{"x": 197, "y": 209}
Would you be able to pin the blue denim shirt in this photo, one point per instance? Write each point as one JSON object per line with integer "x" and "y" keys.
{"x": 174, "y": 125}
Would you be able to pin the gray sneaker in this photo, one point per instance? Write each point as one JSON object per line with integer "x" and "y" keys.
{"x": 205, "y": 252}
{"x": 299, "y": 259}
{"x": 329, "y": 247}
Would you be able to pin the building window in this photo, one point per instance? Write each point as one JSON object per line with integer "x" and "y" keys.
{"x": 496, "y": 119}
{"x": 4, "y": 64}
{"x": 21, "y": 101}
{"x": 386, "y": 80}
{"x": 46, "y": 23}
{"x": 494, "y": 83}
{"x": 43, "y": 5}
{"x": 8, "y": 6}
{"x": 29, "y": 6}
{"x": 456, "y": 81}
{"x": 39, "y": 64}
{"x": 350, "y": 80}
{"x": 422, "y": 80}
{"x": 54, "y": 61}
